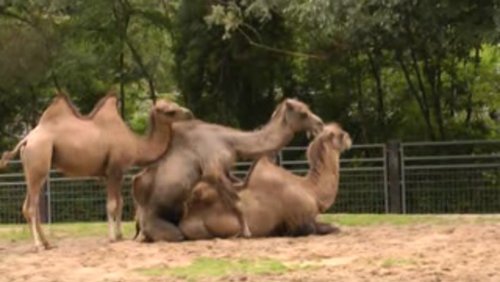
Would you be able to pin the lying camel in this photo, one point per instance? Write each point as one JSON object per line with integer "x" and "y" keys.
{"x": 201, "y": 150}
{"x": 99, "y": 144}
{"x": 274, "y": 201}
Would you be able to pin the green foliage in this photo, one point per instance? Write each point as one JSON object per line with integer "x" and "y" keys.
{"x": 224, "y": 79}
{"x": 85, "y": 48}
{"x": 389, "y": 69}
{"x": 410, "y": 70}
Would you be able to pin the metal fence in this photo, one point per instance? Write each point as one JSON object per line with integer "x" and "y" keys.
{"x": 450, "y": 177}
{"x": 423, "y": 177}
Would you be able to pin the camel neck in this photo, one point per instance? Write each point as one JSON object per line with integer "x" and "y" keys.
{"x": 272, "y": 137}
{"x": 155, "y": 144}
{"x": 323, "y": 176}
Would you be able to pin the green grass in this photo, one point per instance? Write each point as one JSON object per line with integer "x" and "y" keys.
{"x": 20, "y": 232}
{"x": 401, "y": 220}
{"x": 210, "y": 267}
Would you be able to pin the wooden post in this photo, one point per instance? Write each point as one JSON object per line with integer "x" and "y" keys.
{"x": 393, "y": 175}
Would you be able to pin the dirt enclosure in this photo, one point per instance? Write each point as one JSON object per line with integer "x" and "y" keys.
{"x": 462, "y": 249}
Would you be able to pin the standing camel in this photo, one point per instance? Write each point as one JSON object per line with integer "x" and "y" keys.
{"x": 201, "y": 150}
{"x": 274, "y": 201}
{"x": 99, "y": 144}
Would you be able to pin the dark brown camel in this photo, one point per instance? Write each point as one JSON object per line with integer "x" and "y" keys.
{"x": 201, "y": 150}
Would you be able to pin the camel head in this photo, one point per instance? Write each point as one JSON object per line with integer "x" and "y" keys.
{"x": 298, "y": 117}
{"x": 168, "y": 112}
{"x": 334, "y": 136}
{"x": 203, "y": 192}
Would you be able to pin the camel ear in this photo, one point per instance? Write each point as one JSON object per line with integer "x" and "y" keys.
{"x": 112, "y": 92}
{"x": 289, "y": 105}
{"x": 346, "y": 141}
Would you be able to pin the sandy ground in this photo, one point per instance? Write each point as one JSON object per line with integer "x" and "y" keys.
{"x": 461, "y": 252}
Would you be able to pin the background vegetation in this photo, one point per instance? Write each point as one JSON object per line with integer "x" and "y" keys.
{"x": 406, "y": 69}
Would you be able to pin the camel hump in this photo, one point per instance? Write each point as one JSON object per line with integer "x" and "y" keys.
{"x": 60, "y": 107}
{"x": 258, "y": 169}
{"x": 106, "y": 109}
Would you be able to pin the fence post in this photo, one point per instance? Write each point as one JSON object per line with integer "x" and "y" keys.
{"x": 393, "y": 175}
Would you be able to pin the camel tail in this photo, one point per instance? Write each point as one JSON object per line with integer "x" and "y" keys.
{"x": 9, "y": 155}
{"x": 137, "y": 230}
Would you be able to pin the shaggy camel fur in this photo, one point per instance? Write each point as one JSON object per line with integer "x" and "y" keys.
{"x": 274, "y": 201}
{"x": 99, "y": 144}
{"x": 201, "y": 150}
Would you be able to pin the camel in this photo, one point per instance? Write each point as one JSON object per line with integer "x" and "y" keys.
{"x": 201, "y": 150}
{"x": 274, "y": 201}
{"x": 99, "y": 144}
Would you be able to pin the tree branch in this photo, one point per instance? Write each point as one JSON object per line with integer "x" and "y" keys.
{"x": 281, "y": 51}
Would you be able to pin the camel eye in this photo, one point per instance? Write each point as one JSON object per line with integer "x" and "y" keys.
{"x": 302, "y": 115}
{"x": 169, "y": 113}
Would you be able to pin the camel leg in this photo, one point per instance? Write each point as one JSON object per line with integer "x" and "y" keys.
{"x": 139, "y": 222}
{"x": 141, "y": 191}
{"x": 31, "y": 211}
{"x": 114, "y": 206}
{"x": 35, "y": 170}
{"x": 235, "y": 181}
{"x": 229, "y": 198}
{"x": 156, "y": 229}
{"x": 325, "y": 228}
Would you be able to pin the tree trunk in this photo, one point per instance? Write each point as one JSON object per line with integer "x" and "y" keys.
{"x": 432, "y": 73}
{"x": 477, "y": 61}
{"x": 122, "y": 84}
{"x": 361, "y": 106}
{"x": 375, "y": 69}
{"x": 122, "y": 16}
{"x": 423, "y": 107}
{"x": 138, "y": 59}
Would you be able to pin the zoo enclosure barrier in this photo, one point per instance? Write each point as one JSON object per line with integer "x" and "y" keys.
{"x": 414, "y": 177}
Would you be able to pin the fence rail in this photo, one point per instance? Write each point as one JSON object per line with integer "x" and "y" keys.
{"x": 416, "y": 177}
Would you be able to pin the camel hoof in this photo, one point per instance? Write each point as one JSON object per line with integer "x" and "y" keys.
{"x": 118, "y": 238}
{"x": 246, "y": 232}
{"x": 41, "y": 248}
{"x": 326, "y": 229}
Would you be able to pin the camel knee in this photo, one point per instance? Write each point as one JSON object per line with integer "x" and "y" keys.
{"x": 29, "y": 213}
{"x": 114, "y": 206}
{"x": 30, "y": 207}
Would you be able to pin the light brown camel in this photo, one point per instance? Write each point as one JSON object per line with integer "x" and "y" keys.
{"x": 201, "y": 150}
{"x": 99, "y": 144}
{"x": 274, "y": 200}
